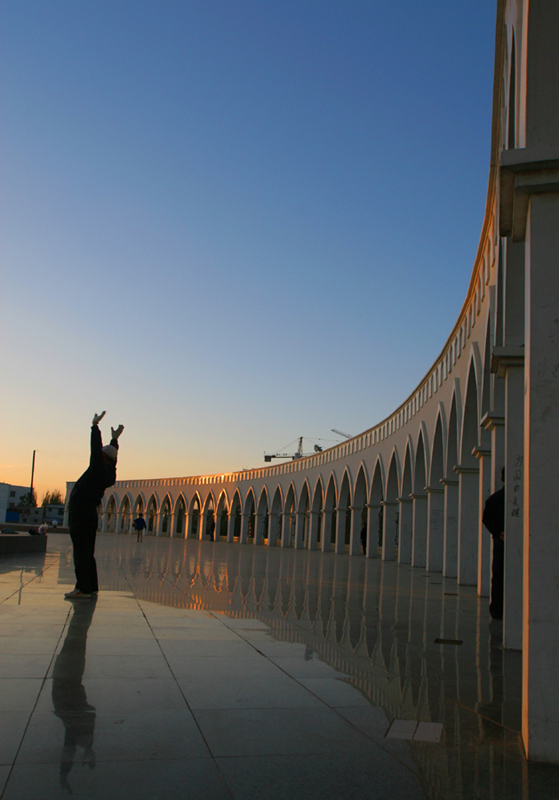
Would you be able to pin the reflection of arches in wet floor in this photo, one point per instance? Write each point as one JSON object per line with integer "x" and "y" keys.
{"x": 373, "y": 621}
{"x": 378, "y": 620}
{"x": 69, "y": 697}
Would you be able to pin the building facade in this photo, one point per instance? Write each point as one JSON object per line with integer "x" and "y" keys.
{"x": 415, "y": 483}
{"x": 10, "y": 497}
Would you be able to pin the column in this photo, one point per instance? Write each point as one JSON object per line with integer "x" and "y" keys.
{"x": 273, "y": 522}
{"x": 339, "y": 546}
{"x": 435, "y": 528}
{"x": 245, "y": 519}
{"x": 286, "y": 529}
{"x": 231, "y": 527}
{"x": 509, "y": 364}
{"x": 450, "y": 533}
{"x": 372, "y": 530}
{"x": 529, "y": 211}
{"x": 314, "y": 521}
{"x": 539, "y": 469}
{"x": 468, "y": 510}
{"x": 355, "y": 528}
{"x": 327, "y": 530}
{"x": 495, "y": 424}
{"x": 419, "y": 534}
{"x": 300, "y": 519}
{"x": 259, "y": 532}
{"x": 405, "y": 534}
{"x": 389, "y": 530}
{"x": 484, "y": 537}
{"x": 218, "y": 524}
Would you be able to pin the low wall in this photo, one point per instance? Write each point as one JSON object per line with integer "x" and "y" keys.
{"x": 22, "y": 543}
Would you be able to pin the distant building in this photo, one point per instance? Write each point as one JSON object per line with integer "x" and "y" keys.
{"x": 12, "y": 511}
{"x": 53, "y": 515}
{"x": 10, "y": 497}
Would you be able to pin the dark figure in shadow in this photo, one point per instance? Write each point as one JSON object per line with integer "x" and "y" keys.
{"x": 85, "y": 497}
{"x": 364, "y": 538}
{"x": 68, "y": 693}
{"x": 494, "y": 521}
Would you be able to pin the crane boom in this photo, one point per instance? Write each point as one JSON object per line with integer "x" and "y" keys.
{"x": 294, "y": 456}
{"x": 341, "y": 433}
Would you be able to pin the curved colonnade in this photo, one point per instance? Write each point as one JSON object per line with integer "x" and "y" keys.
{"x": 415, "y": 484}
{"x": 396, "y": 479}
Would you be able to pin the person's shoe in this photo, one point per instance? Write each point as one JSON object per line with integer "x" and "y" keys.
{"x": 76, "y": 594}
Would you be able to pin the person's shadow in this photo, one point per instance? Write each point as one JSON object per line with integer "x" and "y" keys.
{"x": 68, "y": 693}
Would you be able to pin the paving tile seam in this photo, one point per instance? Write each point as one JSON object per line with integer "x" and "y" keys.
{"x": 291, "y": 677}
{"x": 297, "y": 624}
{"x": 435, "y": 793}
{"x": 32, "y": 712}
{"x": 24, "y": 585}
{"x": 413, "y": 771}
{"x": 177, "y": 684}
{"x": 512, "y": 731}
{"x": 293, "y": 631}
{"x": 140, "y": 759}
{"x": 175, "y": 585}
{"x": 351, "y": 671}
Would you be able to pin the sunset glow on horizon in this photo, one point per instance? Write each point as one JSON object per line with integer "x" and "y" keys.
{"x": 230, "y": 224}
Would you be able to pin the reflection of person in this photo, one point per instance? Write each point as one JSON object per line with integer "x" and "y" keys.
{"x": 139, "y": 526}
{"x": 494, "y": 520}
{"x": 69, "y": 698}
{"x": 82, "y": 508}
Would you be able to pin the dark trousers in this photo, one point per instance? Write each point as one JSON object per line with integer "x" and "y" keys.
{"x": 83, "y": 529}
{"x": 497, "y": 578}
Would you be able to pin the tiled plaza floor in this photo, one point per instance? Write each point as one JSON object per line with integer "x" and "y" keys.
{"x": 214, "y": 670}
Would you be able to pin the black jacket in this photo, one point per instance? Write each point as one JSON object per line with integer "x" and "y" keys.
{"x": 494, "y": 513}
{"x": 90, "y": 488}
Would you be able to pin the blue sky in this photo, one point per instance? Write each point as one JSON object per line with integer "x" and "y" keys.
{"x": 230, "y": 222}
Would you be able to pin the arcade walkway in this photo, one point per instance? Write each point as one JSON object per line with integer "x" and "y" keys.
{"x": 209, "y": 670}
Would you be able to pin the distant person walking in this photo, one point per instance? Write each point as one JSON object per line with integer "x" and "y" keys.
{"x": 494, "y": 520}
{"x": 139, "y": 526}
{"x": 82, "y": 508}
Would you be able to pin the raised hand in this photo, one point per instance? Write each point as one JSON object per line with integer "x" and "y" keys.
{"x": 98, "y": 417}
{"x": 116, "y": 433}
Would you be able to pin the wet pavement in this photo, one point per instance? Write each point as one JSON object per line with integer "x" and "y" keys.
{"x": 215, "y": 670}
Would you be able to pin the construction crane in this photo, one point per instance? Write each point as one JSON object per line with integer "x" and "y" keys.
{"x": 341, "y": 433}
{"x": 294, "y": 456}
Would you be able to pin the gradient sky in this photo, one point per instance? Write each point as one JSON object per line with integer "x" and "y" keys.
{"x": 230, "y": 223}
